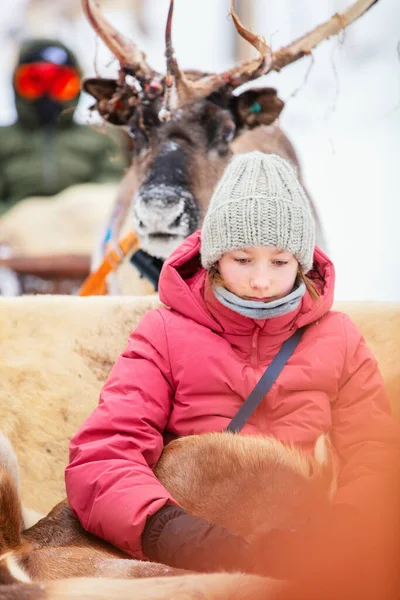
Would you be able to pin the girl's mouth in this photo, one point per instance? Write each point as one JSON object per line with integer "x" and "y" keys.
{"x": 264, "y": 299}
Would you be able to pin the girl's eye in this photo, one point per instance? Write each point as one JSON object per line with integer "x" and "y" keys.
{"x": 242, "y": 261}
{"x": 280, "y": 263}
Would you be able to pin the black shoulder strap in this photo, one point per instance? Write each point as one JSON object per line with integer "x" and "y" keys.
{"x": 267, "y": 380}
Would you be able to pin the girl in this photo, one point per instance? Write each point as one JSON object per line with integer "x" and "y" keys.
{"x": 235, "y": 292}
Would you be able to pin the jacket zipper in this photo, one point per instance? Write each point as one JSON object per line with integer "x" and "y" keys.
{"x": 254, "y": 347}
{"x": 49, "y": 161}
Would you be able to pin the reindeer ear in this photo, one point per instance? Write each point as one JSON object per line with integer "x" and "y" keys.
{"x": 114, "y": 108}
{"x": 100, "y": 89}
{"x": 257, "y": 107}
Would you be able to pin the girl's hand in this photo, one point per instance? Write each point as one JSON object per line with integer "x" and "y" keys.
{"x": 177, "y": 539}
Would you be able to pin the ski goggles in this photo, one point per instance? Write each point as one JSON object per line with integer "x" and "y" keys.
{"x": 59, "y": 82}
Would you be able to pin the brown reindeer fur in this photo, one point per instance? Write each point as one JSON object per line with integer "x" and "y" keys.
{"x": 219, "y": 586}
{"x": 58, "y": 547}
{"x": 205, "y": 174}
{"x": 9, "y": 461}
{"x": 21, "y": 591}
{"x": 50, "y": 551}
{"x": 267, "y": 138}
{"x": 287, "y": 487}
{"x": 198, "y": 587}
{"x": 56, "y": 352}
{"x": 248, "y": 484}
{"x": 10, "y": 513}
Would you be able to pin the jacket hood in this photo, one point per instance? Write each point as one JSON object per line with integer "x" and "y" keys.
{"x": 184, "y": 287}
{"x": 34, "y": 50}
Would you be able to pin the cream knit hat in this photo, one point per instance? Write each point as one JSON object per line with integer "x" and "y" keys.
{"x": 258, "y": 202}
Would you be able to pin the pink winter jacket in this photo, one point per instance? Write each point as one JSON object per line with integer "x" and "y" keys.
{"x": 187, "y": 370}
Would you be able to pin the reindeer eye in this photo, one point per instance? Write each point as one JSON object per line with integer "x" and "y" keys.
{"x": 228, "y": 133}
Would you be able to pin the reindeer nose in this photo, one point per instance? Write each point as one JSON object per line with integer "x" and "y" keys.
{"x": 161, "y": 210}
{"x": 151, "y": 222}
{"x": 161, "y": 196}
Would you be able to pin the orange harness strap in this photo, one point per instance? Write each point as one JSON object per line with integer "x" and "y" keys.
{"x": 95, "y": 283}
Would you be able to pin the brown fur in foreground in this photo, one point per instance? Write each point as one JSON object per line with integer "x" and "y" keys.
{"x": 248, "y": 484}
{"x": 323, "y": 577}
{"x": 58, "y": 547}
{"x": 195, "y": 587}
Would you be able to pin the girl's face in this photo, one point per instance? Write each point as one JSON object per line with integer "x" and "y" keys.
{"x": 260, "y": 273}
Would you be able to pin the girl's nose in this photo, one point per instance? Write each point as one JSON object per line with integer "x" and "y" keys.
{"x": 260, "y": 282}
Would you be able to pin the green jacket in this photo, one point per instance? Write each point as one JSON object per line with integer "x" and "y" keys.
{"x": 42, "y": 161}
{"x": 37, "y": 162}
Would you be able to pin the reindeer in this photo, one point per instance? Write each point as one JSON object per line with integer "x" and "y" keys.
{"x": 288, "y": 487}
{"x": 185, "y": 125}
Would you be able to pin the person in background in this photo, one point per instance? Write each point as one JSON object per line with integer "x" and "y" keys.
{"x": 45, "y": 150}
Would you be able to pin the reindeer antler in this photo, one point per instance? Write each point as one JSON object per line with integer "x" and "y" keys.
{"x": 274, "y": 61}
{"x": 129, "y": 56}
{"x": 251, "y": 69}
{"x": 186, "y": 90}
{"x": 258, "y": 41}
{"x": 303, "y": 46}
{"x": 180, "y": 89}
{"x": 177, "y": 87}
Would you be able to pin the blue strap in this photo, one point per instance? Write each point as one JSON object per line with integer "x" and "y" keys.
{"x": 266, "y": 382}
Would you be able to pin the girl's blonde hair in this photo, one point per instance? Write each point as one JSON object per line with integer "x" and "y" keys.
{"x": 215, "y": 279}
{"x": 310, "y": 285}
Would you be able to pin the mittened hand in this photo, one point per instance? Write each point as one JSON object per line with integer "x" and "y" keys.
{"x": 180, "y": 540}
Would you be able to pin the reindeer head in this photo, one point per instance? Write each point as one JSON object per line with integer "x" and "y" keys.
{"x": 183, "y": 124}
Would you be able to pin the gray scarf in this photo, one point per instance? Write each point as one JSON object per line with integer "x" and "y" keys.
{"x": 261, "y": 310}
